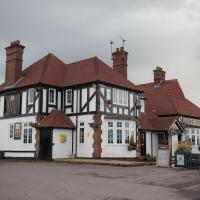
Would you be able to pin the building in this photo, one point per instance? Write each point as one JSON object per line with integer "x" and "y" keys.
{"x": 167, "y": 112}
{"x": 57, "y": 110}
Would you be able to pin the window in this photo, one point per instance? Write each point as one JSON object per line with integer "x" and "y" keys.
{"x": 193, "y": 140}
{"x": 187, "y": 138}
{"x": 31, "y": 95}
{"x": 52, "y": 96}
{"x": 119, "y": 124}
{"x": 197, "y": 131}
{"x": 120, "y": 97}
{"x": 108, "y": 95}
{"x": 81, "y": 139}
{"x": 110, "y": 124}
{"x": 11, "y": 130}
{"x": 198, "y": 140}
{"x": 68, "y": 97}
{"x": 110, "y": 136}
{"x": 193, "y": 131}
{"x": 27, "y": 133}
{"x": 126, "y": 125}
{"x": 126, "y": 136}
{"x": 119, "y": 136}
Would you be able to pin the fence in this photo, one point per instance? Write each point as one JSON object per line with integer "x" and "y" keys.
{"x": 187, "y": 160}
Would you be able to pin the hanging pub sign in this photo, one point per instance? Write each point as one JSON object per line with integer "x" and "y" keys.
{"x": 63, "y": 138}
{"x": 17, "y": 131}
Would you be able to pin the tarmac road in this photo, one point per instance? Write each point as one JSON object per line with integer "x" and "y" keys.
{"x": 56, "y": 181}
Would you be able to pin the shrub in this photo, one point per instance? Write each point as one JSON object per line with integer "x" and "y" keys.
{"x": 182, "y": 146}
{"x": 132, "y": 144}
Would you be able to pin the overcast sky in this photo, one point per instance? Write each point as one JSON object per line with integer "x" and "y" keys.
{"x": 158, "y": 32}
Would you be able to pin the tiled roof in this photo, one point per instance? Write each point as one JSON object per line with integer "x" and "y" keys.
{"x": 155, "y": 123}
{"x": 168, "y": 99}
{"x": 56, "y": 119}
{"x": 52, "y": 71}
{"x": 163, "y": 103}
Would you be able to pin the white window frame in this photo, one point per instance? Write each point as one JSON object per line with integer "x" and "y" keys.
{"x": 27, "y": 133}
{"x": 54, "y": 96}
{"x": 31, "y": 95}
{"x": 11, "y": 131}
{"x": 120, "y": 97}
{"x": 81, "y": 132}
{"x": 68, "y": 100}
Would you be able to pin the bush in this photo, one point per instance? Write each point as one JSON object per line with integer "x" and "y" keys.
{"x": 182, "y": 146}
{"x": 132, "y": 144}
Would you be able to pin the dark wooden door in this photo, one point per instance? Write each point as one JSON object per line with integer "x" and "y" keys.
{"x": 45, "y": 151}
{"x": 143, "y": 144}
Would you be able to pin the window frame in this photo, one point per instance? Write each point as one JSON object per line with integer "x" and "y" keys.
{"x": 81, "y": 132}
{"x": 11, "y": 136}
{"x": 67, "y": 97}
{"x": 120, "y": 97}
{"x": 29, "y": 96}
{"x": 27, "y": 133}
{"x": 54, "y": 97}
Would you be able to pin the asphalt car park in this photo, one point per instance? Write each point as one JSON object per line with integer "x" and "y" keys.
{"x": 60, "y": 181}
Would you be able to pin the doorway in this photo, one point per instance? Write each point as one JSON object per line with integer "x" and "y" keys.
{"x": 45, "y": 151}
{"x": 143, "y": 144}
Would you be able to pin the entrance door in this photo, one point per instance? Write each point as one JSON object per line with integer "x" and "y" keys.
{"x": 143, "y": 144}
{"x": 45, "y": 151}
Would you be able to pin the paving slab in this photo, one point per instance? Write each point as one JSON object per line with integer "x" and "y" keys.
{"x": 109, "y": 162}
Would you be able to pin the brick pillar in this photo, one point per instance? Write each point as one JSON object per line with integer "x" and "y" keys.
{"x": 97, "y": 136}
{"x": 37, "y": 135}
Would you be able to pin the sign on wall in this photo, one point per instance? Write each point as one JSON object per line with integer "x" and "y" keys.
{"x": 163, "y": 156}
{"x": 63, "y": 138}
{"x": 17, "y": 131}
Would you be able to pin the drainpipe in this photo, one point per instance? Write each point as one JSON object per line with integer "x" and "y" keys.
{"x": 76, "y": 145}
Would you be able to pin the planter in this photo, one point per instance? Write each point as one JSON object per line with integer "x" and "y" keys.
{"x": 131, "y": 148}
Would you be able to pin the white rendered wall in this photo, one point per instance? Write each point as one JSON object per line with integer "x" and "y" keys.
{"x": 44, "y": 103}
{"x": 62, "y": 150}
{"x": 23, "y": 105}
{"x": 7, "y": 143}
{"x": 174, "y": 140}
{"x": 116, "y": 150}
{"x": 149, "y": 142}
{"x": 2, "y": 106}
{"x": 84, "y": 149}
{"x": 155, "y": 143}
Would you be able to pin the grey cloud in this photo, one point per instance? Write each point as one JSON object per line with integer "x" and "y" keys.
{"x": 158, "y": 32}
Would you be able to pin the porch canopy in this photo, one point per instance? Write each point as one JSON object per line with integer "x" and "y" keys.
{"x": 56, "y": 119}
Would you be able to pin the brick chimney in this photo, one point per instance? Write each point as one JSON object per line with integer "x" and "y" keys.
{"x": 120, "y": 57}
{"x": 159, "y": 75}
{"x": 14, "y": 58}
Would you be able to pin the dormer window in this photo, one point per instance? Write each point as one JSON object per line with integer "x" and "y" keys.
{"x": 68, "y": 97}
{"x": 52, "y": 96}
{"x": 31, "y": 95}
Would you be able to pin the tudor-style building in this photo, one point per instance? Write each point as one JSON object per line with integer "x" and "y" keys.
{"x": 55, "y": 110}
{"x": 167, "y": 112}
